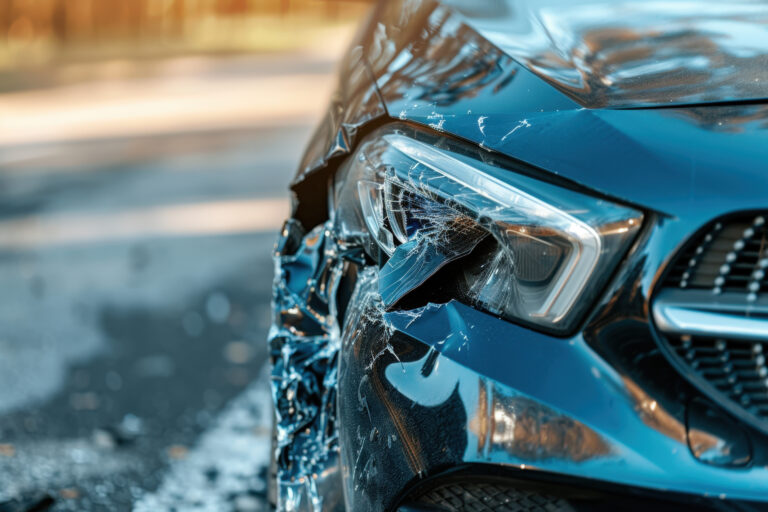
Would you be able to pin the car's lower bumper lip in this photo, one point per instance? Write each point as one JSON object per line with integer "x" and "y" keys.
{"x": 488, "y": 487}
{"x": 511, "y": 397}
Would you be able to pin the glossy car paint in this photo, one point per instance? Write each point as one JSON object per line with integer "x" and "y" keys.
{"x": 462, "y": 387}
{"x": 630, "y": 54}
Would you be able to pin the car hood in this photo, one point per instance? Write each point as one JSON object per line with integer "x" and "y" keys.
{"x": 633, "y": 53}
{"x": 422, "y": 62}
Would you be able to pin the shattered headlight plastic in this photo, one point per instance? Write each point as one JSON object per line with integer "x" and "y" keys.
{"x": 446, "y": 221}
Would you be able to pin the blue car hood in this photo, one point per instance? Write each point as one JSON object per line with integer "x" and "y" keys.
{"x": 633, "y": 53}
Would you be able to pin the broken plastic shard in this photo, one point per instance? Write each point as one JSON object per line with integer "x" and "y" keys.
{"x": 416, "y": 260}
{"x": 304, "y": 340}
{"x": 304, "y": 343}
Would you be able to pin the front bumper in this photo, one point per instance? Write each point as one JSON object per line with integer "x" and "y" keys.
{"x": 459, "y": 387}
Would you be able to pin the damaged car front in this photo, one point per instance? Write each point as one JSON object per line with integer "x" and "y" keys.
{"x": 526, "y": 262}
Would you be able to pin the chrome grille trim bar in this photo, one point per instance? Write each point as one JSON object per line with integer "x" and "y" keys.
{"x": 701, "y": 313}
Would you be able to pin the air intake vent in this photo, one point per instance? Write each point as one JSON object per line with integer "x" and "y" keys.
{"x": 713, "y": 313}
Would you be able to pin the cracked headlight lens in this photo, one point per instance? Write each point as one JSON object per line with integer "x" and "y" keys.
{"x": 435, "y": 212}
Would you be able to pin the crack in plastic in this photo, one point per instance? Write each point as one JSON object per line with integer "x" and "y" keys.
{"x": 305, "y": 340}
{"x": 304, "y": 343}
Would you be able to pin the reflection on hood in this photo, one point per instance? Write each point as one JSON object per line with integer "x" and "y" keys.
{"x": 634, "y": 53}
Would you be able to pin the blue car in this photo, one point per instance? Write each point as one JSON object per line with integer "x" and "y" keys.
{"x": 527, "y": 264}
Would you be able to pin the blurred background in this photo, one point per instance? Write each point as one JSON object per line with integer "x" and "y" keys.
{"x": 146, "y": 147}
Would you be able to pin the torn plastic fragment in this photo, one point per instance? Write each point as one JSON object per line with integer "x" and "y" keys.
{"x": 304, "y": 347}
{"x": 305, "y": 339}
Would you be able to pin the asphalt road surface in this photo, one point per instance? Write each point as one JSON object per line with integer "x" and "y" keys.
{"x": 135, "y": 277}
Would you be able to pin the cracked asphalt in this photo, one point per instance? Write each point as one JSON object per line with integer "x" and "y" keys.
{"x": 136, "y": 274}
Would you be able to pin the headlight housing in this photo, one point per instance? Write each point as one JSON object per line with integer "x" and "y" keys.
{"x": 429, "y": 208}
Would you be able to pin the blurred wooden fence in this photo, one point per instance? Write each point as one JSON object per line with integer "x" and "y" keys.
{"x": 64, "y": 20}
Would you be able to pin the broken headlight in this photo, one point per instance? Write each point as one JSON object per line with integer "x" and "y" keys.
{"x": 434, "y": 212}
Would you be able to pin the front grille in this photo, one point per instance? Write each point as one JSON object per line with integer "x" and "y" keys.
{"x": 729, "y": 256}
{"x": 736, "y": 368}
{"x": 713, "y": 313}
